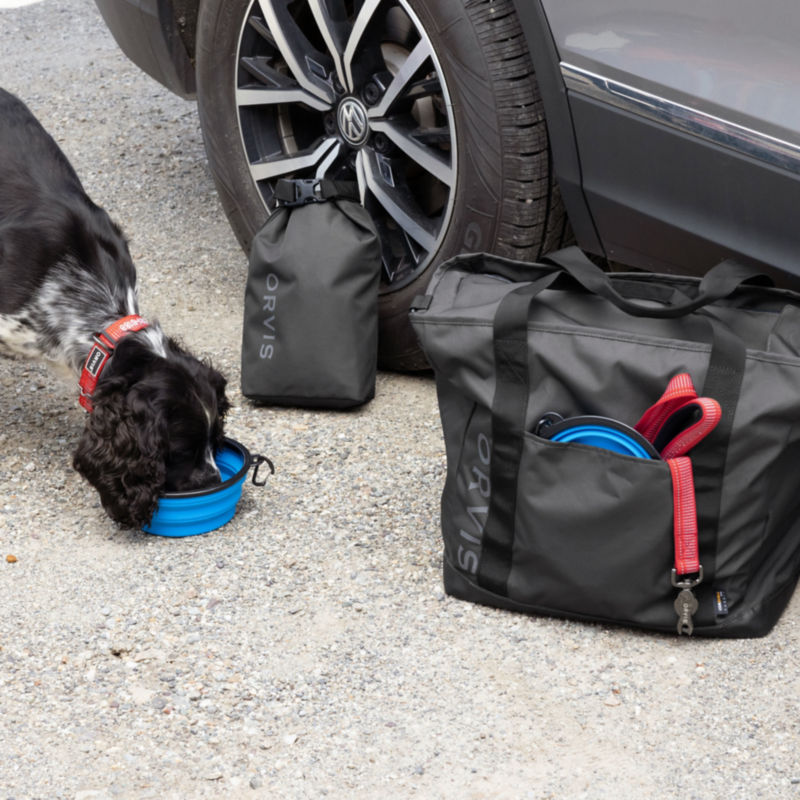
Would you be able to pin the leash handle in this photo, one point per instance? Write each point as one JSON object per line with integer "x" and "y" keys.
{"x": 679, "y": 419}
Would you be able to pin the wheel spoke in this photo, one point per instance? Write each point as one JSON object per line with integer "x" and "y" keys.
{"x": 400, "y": 81}
{"x": 272, "y": 87}
{"x": 361, "y": 178}
{"x": 430, "y": 159}
{"x": 295, "y": 48}
{"x": 360, "y": 24}
{"x": 333, "y": 27}
{"x": 281, "y": 166}
{"x": 397, "y": 203}
{"x": 260, "y": 27}
{"x": 269, "y": 96}
{"x": 327, "y": 162}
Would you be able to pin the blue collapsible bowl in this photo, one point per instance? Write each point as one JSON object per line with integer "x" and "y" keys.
{"x": 601, "y": 432}
{"x": 203, "y": 510}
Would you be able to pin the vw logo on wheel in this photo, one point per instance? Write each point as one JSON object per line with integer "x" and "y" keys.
{"x": 353, "y": 122}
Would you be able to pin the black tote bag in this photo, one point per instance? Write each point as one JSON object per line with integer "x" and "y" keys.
{"x": 572, "y": 530}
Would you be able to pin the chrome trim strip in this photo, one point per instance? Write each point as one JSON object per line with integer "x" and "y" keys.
{"x": 769, "y": 149}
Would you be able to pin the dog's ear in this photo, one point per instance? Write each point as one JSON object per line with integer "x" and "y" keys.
{"x": 205, "y": 370}
{"x": 122, "y": 454}
{"x": 218, "y": 383}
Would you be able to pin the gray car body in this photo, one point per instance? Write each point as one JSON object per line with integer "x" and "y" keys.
{"x": 686, "y": 120}
{"x": 674, "y": 127}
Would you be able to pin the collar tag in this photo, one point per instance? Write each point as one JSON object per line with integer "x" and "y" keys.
{"x": 96, "y": 360}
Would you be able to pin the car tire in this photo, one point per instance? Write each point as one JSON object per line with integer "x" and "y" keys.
{"x": 504, "y": 198}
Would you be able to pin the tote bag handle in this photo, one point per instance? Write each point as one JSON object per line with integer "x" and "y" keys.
{"x": 720, "y": 281}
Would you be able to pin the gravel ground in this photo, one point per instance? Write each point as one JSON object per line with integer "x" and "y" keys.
{"x": 306, "y": 649}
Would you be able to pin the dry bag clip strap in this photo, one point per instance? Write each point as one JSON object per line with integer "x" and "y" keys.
{"x": 291, "y": 193}
{"x": 302, "y": 191}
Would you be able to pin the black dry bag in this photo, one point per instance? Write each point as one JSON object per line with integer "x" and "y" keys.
{"x": 310, "y": 333}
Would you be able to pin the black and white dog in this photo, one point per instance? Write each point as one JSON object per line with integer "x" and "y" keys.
{"x": 68, "y": 295}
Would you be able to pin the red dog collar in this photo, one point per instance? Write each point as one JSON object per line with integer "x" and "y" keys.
{"x": 101, "y": 352}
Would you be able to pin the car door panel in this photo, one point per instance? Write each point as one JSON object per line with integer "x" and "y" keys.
{"x": 733, "y": 58}
{"x": 687, "y": 127}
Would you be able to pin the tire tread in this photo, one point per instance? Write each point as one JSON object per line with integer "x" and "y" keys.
{"x": 527, "y": 229}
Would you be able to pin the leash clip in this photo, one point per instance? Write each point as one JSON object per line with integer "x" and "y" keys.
{"x": 686, "y": 603}
{"x": 684, "y": 581}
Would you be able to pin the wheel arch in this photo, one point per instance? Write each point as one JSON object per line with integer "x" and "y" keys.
{"x": 558, "y": 118}
{"x": 158, "y": 36}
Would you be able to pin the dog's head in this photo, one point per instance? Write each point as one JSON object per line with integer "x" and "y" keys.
{"x": 156, "y": 424}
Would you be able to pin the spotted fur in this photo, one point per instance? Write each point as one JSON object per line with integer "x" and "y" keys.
{"x": 66, "y": 274}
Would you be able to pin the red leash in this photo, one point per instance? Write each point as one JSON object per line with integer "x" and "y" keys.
{"x": 675, "y": 424}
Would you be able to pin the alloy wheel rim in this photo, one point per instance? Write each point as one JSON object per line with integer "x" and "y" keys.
{"x": 353, "y": 92}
